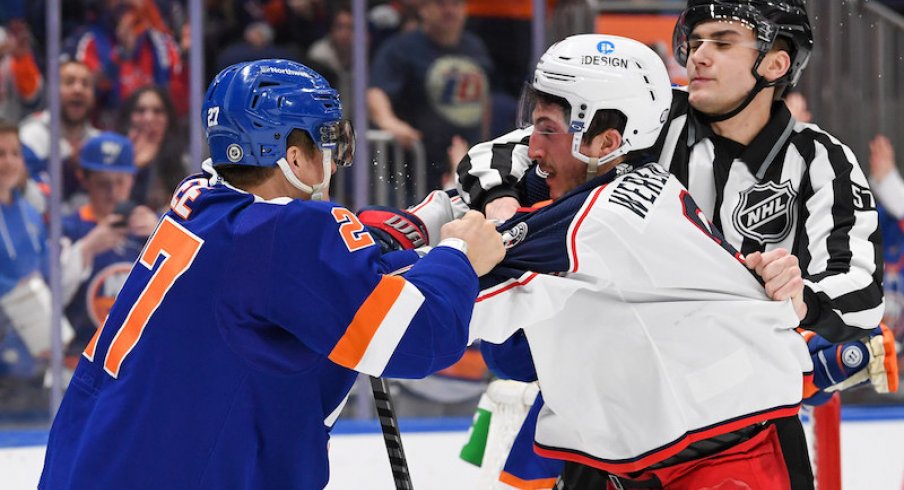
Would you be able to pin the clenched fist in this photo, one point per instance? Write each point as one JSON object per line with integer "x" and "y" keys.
{"x": 484, "y": 243}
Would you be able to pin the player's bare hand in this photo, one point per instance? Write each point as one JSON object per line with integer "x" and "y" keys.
{"x": 881, "y": 157}
{"x": 142, "y": 221}
{"x": 502, "y": 208}
{"x": 485, "y": 248}
{"x": 781, "y": 272}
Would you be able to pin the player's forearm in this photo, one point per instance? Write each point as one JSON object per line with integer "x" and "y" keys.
{"x": 840, "y": 316}
{"x": 438, "y": 333}
{"x": 842, "y": 263}
{"x": 493, "y": 168}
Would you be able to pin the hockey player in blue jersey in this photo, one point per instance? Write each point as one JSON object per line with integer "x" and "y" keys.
{"x": 235, "y": 340}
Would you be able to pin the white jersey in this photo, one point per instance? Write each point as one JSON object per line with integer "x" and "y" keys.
{"x": 794, "y": 187}
{"x": 646, "y": 331}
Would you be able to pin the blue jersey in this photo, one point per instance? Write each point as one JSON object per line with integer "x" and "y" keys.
{"x": 23, "y": 239}
{"x": 91, "y": 303}
{"x": 236, "y": 338}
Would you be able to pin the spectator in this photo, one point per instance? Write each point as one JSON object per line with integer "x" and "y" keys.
{"x": 24, "y": 296}
{"x": 884, "y": 177}
{"x": 335, "y": 52}
{"x": 798, "y": 106}
{"x": 127, "y": 49}
{"x": 21, "y": 82}
{"x": 108, "y": 232}
{"x": 391, "y": 18}
{"x": 77, "y": 102}
{"x": 505, "y": 28}
{"x": 298, "y": 23}
{"x": 221, "y": 24}
{"x": 431, "y": 84}
{"x": 256, "y": 44}
{"x": 149, "y": 119}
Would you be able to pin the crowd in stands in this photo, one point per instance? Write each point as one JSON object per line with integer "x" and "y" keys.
{"x": 444, "y": 74}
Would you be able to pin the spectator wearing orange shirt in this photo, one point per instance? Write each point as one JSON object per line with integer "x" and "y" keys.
{"x": 21, "y": 82}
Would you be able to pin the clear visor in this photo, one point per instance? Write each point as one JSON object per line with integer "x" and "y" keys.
{"x": 527, "y": 105}
{"x": 339, "y": 138}
{"x": 746, "y": 15}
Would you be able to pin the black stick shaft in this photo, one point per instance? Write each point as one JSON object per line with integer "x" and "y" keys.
{"x": 391, "y": 435}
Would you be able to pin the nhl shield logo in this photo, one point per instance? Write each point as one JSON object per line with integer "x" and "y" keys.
{"x": 765, "y": 212}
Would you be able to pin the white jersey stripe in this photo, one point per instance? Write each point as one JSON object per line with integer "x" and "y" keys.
{"x": 390, "y": 331}
{"x": 866, "y": 319}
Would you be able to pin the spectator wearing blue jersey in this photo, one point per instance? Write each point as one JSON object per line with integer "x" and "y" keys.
{"x": 24, "y": 296}
{"x": 236, "y": 338}
{"x": 108, "y": 232}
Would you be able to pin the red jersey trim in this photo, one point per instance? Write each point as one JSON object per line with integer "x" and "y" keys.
{"x": 574, "y": 232}
{"x": 509, "y": 285}
{"x": 623, "y": 466}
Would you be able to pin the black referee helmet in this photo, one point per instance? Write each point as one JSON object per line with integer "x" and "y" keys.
{"x": 769, "y": 19}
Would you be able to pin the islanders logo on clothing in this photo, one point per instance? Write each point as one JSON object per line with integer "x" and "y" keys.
{"x": 103, "y": 288}
{"x": 457, "y": 88}
{"x": 765, "y": 212}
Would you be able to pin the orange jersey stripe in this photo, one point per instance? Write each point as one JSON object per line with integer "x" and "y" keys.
{"x": 512, "y": 480}
{"x": 92, "y": 345}
{"x": 351, "y": 347}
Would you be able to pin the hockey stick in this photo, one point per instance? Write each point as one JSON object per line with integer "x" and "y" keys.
{"x": 391, "y": 435}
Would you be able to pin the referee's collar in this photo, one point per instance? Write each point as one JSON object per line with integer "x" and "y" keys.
{"x": 764, "y": 148}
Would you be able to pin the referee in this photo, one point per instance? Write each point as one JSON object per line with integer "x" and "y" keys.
{"x": 769, "y": 183}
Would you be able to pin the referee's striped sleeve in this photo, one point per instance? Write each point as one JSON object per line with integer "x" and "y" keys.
{"x": 493, "y": 168}
{"x": 840, "y": 251}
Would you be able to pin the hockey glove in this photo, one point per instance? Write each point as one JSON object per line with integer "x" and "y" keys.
{"x": 393, "y": 229}
{"x": 840, "y": 366}
{"x": 437, "y": 209}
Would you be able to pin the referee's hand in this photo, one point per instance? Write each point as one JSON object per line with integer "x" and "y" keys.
{"x": 781, "y": 273}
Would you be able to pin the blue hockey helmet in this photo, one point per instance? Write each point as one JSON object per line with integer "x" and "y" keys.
{"x": 250, "y": 109}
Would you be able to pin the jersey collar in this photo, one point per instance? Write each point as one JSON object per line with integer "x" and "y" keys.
{"x": 86, "y": 213}
{"x": 765, "y": 147}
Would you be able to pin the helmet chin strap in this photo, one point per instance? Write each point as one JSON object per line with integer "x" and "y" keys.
{"x": 593, "y": 164}
{"x": 760, "y": 84}
{"x": 316, "y": 191}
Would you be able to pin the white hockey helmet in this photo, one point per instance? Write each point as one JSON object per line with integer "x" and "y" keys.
{"x": 597, "y": 71}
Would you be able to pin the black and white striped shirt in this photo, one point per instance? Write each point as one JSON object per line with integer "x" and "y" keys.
{"x": 794, "y": 187}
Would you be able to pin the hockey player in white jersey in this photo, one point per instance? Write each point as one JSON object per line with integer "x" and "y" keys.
{"x": 659, "y": 354}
